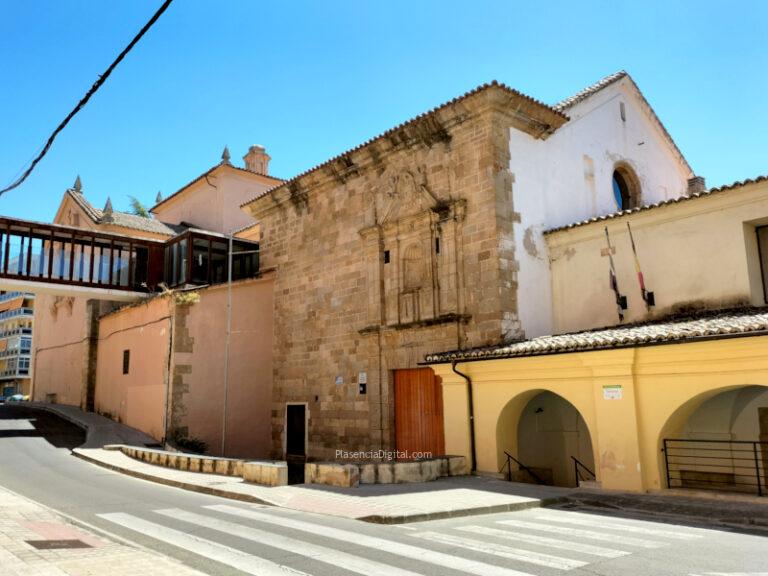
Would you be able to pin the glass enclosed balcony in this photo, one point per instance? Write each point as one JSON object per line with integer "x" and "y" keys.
{"x": 52, "y": 253}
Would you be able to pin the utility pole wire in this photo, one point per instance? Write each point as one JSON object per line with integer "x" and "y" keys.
{"x": 96, "y": 85}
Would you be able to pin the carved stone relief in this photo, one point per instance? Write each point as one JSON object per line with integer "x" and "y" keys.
{"x": 411, "y": 251}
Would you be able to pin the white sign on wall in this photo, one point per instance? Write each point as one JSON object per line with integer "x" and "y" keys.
{"x": 612, "y": 392}
{"x": 339, "y": 380}
{"x": 362, "y": 378}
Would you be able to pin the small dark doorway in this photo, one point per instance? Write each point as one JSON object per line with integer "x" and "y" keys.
{"x": 296, "y": 441}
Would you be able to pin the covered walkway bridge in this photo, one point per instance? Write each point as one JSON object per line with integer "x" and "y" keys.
{"x": 63, "y": 260}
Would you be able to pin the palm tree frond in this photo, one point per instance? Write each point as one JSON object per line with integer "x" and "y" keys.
{"x": 138, "y": 208}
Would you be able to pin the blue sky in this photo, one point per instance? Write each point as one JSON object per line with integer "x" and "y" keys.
{"x": 311, "y": 79}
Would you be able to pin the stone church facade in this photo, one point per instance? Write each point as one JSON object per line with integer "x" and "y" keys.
{"x": 397, "y": 248}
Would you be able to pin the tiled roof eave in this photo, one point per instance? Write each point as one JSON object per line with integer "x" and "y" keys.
{"x": 123, "y": 219}
{"x": 714, "y": 326}
{"x": 621, "y": 213}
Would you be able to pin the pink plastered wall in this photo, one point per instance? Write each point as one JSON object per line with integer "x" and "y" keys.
{"x": 61, "y": 349}
{"x": 139, "y": 397}
{"x": 250, "y": 369}
{"x": 196, "y": 332}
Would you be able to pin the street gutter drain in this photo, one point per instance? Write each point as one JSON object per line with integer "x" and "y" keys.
{"x": 57, "y": 544}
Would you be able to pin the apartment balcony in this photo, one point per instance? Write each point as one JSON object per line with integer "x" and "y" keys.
{"x": 12, "y": 296}
{"x": 14, "y": 373}
{"x": 15, "y": 332}
{"x": 15, "y": 353}
{"x": 16, "y": 312}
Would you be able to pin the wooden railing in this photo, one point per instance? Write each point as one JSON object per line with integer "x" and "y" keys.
{"x": 57, "y": 254}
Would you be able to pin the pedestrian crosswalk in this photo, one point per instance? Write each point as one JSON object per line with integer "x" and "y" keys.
{"x": 269, "y": 542}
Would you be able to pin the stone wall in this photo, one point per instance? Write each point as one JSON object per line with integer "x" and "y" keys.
{"x": 401, "y": 247}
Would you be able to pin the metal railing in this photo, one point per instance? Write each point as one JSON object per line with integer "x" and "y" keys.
{"x": 14, "y": 373}
{"x": 15, "y": 352}
{"x": 521, "y": 466}
{"x": 17, "y": 312}
{"x": 579, "y": 470}
{"x": 11, "y": 296}
{"x": 725, "y": 465}
{"x": 15, "y": 332}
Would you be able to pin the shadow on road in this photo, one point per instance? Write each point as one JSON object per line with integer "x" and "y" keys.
{"x": 19, "y": 421}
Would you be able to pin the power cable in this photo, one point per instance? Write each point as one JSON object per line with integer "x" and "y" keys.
{"x": 96, "y": 85}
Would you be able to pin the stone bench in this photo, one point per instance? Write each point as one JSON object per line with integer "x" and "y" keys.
{"x": 397, "y": 472}
{"x": 266, "y": 472}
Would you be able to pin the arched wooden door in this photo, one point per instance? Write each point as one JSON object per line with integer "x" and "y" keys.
{"x": 419, "y": 412}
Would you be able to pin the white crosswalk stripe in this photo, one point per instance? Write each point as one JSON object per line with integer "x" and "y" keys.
{"x": 503, "y": 551}
{"x": 581, "y": 533}
{"x": 360, "y": 539}
{"x": 320, "y": 553}
{"x": 579, "y": 520}
{"x": 545, "y": 541}
{"x": 202, "y": 547}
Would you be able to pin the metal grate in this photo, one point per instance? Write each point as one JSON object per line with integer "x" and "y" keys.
{"x": 57, "y": 544}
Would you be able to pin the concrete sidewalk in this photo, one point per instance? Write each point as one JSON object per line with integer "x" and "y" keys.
{"x": 100, "y": 431}
{"x": 381, "y": 503}
{"x": 33, "y": 539}
{"x": 399, "y": 503}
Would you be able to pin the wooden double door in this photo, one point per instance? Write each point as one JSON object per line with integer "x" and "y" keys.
{"x": 419, "y": 412}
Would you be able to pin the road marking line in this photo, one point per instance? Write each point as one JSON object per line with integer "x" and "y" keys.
{"x": 588, "y": 534}
{"x": 302, "y": 548}
{"x": 545, "y": 541}
{"x": 567, "y": 519}
{"x": 212, "y": 550}
{"x": 503, "y": 551}
{"x": 390, "y": 546}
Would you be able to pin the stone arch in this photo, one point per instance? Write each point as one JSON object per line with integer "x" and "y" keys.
{"x": 626, "y": 186}
{"x": 515, "y": 435}
{"x": 722, "y": 413}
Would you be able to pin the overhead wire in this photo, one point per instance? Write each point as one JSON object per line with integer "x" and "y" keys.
{"x": 96, "y": 85}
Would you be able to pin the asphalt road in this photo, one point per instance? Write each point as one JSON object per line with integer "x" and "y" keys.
{"x": 223, "y": 537}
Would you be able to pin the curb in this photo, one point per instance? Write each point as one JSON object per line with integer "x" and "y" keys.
{"x": 174, "y": 483}
{"x": 372, "y": 519}
{"x": 405, "y": 519}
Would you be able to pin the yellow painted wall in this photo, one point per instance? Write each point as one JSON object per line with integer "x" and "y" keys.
{"x": 661, "y": 387}
{"x": 697, "y": 254}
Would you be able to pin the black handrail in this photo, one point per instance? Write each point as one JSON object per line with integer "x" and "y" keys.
{"x": 704, "y": 464}
{"x": 578, "y": 463}
{"x": 520, "y": 465}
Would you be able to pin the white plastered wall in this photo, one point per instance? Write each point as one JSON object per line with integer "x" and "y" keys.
{"x": 568, "y": 177}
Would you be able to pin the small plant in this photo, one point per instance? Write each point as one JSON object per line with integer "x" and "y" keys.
{"x": 187, "y": 298}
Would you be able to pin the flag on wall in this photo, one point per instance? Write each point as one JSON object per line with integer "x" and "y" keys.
{"x": 614, "y": 283}
{"x": 647, "y": 296}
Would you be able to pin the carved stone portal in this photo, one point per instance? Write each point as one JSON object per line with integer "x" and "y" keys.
{"x": 412, "y": 251}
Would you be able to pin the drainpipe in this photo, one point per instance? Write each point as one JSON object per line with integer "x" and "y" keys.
{"x": 470, "y": 401}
